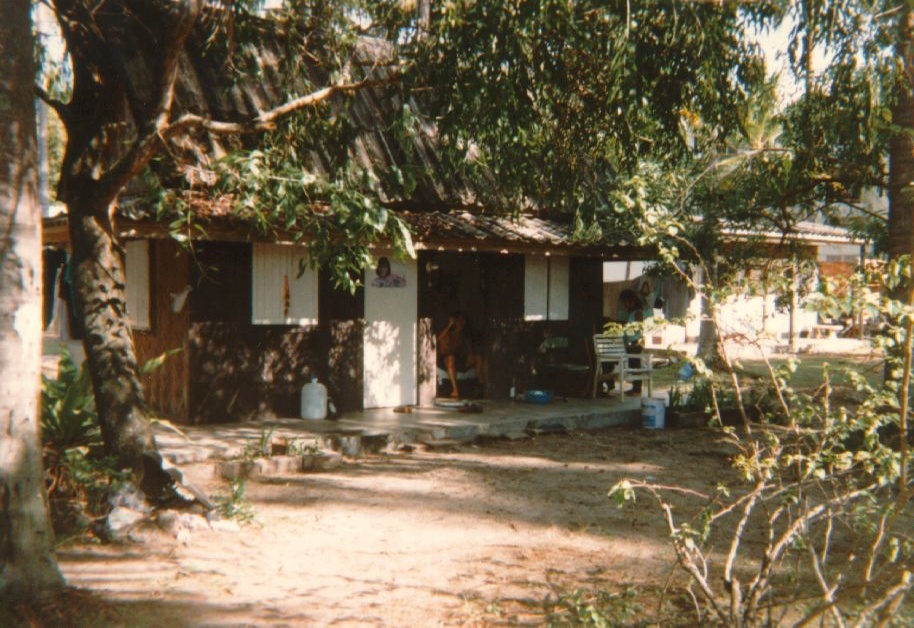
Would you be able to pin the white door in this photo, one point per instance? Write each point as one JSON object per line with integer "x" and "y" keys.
{"x": 390, "y": 333}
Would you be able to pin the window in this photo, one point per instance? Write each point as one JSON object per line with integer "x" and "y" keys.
{"x": 279, "y": 295}
{"x": 545, "y": 288}
{"x": 136, "y": 267}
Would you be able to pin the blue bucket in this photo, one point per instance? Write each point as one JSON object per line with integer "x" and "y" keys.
{"x": 538, "y": 396}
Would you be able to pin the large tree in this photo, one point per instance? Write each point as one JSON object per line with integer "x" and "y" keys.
{"x": 812, "y": 154}
{"x": 119, "y": 115}
{"x": 28, "y": 567}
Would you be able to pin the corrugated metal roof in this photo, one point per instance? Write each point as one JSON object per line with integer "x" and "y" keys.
{"x": 465, "y": 230}
{"x": 205, "y": 87}
{"x": 807, "y": 231}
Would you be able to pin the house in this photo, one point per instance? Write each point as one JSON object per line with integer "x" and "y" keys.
{"x": 252, "y": 330}
{"x": 253, "y": 325}
{"x": 760, "y": 313}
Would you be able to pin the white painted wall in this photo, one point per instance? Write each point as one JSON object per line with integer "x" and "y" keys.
{"x": 390, "y": 339}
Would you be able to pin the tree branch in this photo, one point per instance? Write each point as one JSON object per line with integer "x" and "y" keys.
{"x": 146, "y": 145}
{"x": 266, "y": 120}
{"x": 162, "y": 131}
{"x": 62, "y": 109}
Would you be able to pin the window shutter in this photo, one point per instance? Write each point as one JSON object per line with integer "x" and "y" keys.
{"x": 545, "y": 288}
{"x": 136, "y": 267}
{"x": 279, "y": 295}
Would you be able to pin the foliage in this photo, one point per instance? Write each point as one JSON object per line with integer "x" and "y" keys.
{"x": 259, "y": 447}
{"x": 338, "y": 218}
{"x": 816, "y": 527}
{"x": 570, "y": 101}
{"x": 296, "y": 447}
{"x": 81, "y": 475}
{"x": 599, "y": 609}
{"x": 235, "y": 505}
{"x": 264, "y": 446}
{"x": 68, "y": 417}
{"x": 692, "y": 397}
{"x": 71, "y": 436}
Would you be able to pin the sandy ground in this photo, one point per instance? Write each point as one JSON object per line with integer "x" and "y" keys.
{"x": 484, "y": 534}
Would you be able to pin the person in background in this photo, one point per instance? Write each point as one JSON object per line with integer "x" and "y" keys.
{"x": 458, "y": 353}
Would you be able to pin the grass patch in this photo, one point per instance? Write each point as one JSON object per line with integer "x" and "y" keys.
{"x": 808, "y": 373}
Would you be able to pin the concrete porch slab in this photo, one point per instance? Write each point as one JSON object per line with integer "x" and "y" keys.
{"x": 380, "y": 429}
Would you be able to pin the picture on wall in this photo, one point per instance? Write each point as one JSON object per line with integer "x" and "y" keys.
{"x": 386, "y": 276}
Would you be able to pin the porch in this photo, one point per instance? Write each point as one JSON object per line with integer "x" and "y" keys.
{"x": 372, "y": 431}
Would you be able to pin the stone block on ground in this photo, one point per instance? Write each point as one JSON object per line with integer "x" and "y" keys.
{"x": 552, "y": 426}
{"x": 348, "y": 442}
{"x": 374, "y": 443}
{"x": 321, "y": 461}
{"x": 277, "y": 465}
{"x": 463, "y": 433}
{"x": 119, "y": 523}
{"x": 444, "y": 444}
{"x": 236, "y": 469}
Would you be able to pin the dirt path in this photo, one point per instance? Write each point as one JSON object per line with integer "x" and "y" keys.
{"x": 476, "y": 536}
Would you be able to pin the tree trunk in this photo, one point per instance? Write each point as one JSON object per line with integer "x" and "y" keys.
{"x": 99, "y": 280}
{"x": 97, "y": 138}
{"x": 901, "y": 166}
{"x": 28, "y": 567}
{"x": 794, "y": 305}
{"x": 709, "y": 349}
{"x": 901, "y": 150}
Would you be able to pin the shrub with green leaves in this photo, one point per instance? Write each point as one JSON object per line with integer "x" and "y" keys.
{"x": 597, "y": 609}
{"x": 88, "y": 479}
{"x": 72, "y": 440}
{"x": 816, "y": 529}
{"x": 235, "y": 505}
{"x": 68, "y": 417}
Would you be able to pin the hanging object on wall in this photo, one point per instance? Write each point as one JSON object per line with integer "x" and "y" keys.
{"x": 286, "y": 296}
{"x": 178, "y": 299}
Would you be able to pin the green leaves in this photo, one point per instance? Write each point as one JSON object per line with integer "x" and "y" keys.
{"x": 68, "y": 417}
{"x": 339, "y": 215}
{"x": 153, "y": 364}
{"x": 567, "y": 98}
{"x": 623, "y": 492}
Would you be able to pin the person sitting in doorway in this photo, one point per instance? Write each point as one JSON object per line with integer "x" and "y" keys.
{"x": 458, "y": 353}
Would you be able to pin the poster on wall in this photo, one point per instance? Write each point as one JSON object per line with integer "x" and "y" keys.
{"x": 388, "y": 276}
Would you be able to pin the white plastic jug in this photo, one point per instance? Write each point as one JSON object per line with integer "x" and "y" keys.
{"x": 314, "y": 400}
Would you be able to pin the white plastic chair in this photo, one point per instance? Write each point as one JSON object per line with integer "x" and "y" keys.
{"x": 613, "y": 363}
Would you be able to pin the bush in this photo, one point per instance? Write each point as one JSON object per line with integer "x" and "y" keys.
{"x": 818, "y": 528}
{"x": 76, "y": 469}
{"x": 68, "y": 417}
{"x": 79, "y": 477}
